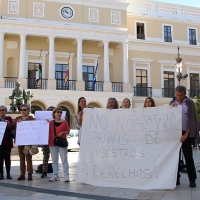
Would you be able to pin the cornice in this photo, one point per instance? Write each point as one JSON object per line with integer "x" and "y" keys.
{"x": 142, "y": 60}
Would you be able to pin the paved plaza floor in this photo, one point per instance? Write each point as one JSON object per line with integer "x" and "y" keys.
{"x": 43, "y": 189}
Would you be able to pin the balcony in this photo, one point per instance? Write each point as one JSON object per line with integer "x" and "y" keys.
{"x": 192, "y": 93}
{"x": 97, "y": 87}
{"x": 33, "y": 84}
{"x": 141, "y": 36}
{"x": 9, "y": 82}
{"x": 69, "y": 85}
{"x": 193, "y": 42}
{"x": 117, "y": 87}
{"x": 168, "y": 39}
{"x": 168, "y": 92}
{"x": 143, "y": 91}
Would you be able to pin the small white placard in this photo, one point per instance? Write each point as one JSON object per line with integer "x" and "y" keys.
{"x": 2, "y": 130}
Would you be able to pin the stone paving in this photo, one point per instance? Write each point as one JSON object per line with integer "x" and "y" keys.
{"x": 43, "y": 189}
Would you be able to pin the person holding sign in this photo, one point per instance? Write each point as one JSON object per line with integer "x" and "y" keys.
{"x": 112, "y": 104}
{"x": 149, "y": 102}
{"x": 190, "y": 131}
{"x": 24, "y": 109}
{"x": 126, "y": 103}
{"x": 79, "y": 117}
{"x": 58, "y": 128}
{"x": 6, "y": 144}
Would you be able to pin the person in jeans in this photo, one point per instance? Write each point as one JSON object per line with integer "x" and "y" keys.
{"x": 46, "y": 152}
{"x": 24, "y": 109}
{"x": 190, "y": 131}
{"x": 60, "y": 128}
{"x": 6, "y": 145}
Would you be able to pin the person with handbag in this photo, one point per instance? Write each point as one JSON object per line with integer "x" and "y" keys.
{"x": 58, "y": 130}
{"x": 6, "y": 144}
{"x": 24, "y": 109}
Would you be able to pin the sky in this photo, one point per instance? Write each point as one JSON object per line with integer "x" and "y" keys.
{"x": 194, "y": 3}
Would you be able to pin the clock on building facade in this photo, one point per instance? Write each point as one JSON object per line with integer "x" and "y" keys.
{"x": 67, "y": 12}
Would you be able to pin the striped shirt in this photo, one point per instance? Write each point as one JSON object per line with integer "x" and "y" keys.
{"x": 184, "y": 114}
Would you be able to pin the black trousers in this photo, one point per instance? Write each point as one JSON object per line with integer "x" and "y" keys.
{"x": 5, "y": 155}
{"x": 189, "y": 161}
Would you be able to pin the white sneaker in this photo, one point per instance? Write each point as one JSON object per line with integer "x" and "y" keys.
{"x": 67, "y": 178}
{"x": 54, "y": 178}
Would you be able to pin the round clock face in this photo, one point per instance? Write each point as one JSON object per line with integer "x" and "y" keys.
{"x": 67, "y": 12}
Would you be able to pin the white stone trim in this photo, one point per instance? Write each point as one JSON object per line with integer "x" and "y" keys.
{"x": 146, "y": 61}
{"x": 15, "y": 9}
{"x": 40, "y": 11}
{"x": 69, "y": 7}
{"x": 163, "y": 32}
{"x": 91, "y": 56}
{"x": 91, "y": 16}
{"x": 115, "y": 17}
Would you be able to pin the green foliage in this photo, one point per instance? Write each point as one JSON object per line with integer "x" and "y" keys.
{"x": 197, "y": 104}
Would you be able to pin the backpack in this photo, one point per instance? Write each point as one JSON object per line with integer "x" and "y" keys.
{"x": 39, "y": 168}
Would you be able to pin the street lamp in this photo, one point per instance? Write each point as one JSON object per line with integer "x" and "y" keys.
{"x": 179, "y": 75}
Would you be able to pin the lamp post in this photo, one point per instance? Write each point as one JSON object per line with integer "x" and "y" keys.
{"x": 179, "y": 75}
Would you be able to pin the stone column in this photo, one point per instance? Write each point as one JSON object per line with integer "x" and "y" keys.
{"x": 1, "y": 59}
{"x": 22, "y": 62}
{"x": 107, "y": 86}
{"x": 51, "y": 83}
{"x": 126, "y": 84}
{"x": 80, "y": 84}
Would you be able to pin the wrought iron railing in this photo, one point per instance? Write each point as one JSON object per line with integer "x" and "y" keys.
{"x": 98, "y": 86}
{"x": 192, "y": 93}
{"x": 32, "y": 83}
{"x": 193, "y": 42}
{"x": 69, "y": 85}
{"x": 117, "y": 87}
{"x": 168, "y": 92}
{"x": 141, "y": 36}
{"x": 168, "y": 39}
{"x": 143, "y": 91}
{"x": 9, "y": 82}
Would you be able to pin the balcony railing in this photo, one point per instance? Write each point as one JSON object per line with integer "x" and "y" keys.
{"x": 143, "y": 91}
{"x": 192, "y": 93}
{"x": 97, "y": 87}
{"x": 9, "y": 82}
{"x": 168, "y": 92}
{"x": 117, "y": 87}
{"x": 168, "y": 39}
{"x": 141, "y": 36}
{"x": 69, "y": 85}
{"x": 193, "y": 42}
{"x": 40, "y": 84}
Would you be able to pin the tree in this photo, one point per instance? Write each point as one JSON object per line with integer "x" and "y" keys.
{"x": 197, "y": 104}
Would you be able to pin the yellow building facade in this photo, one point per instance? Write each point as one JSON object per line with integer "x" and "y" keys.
{"x": 134, "y": 43}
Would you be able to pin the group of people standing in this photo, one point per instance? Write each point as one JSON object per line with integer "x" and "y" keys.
{"x": 60, "y": 128}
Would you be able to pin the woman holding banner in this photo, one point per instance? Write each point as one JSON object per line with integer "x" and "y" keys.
{"x": 79, "y": 117}
{"x": 112, "y": 104}
{"x": 58, "y": 128}
{"x": 126, "y": 103}
{"x": 24, "y": 109}
{"x": 6, "y": 144}
{"x": 149, "y": 102}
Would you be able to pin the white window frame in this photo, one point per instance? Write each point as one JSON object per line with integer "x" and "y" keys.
{"x": 188, "y": 28}
{"x": 163, "y": 32}
{"x": 145, "y": 31}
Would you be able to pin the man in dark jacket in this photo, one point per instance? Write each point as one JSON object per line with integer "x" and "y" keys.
{"x": 190, "y": 131}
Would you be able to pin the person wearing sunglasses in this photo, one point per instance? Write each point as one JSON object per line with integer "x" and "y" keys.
{"x": 46, "y": 152}
{"x": 6, "y": 145}
{"x": 60, "y": 128}
{"x": 24, "y": 109}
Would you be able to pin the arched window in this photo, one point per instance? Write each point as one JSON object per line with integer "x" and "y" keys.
{"x": 35, "y": 108}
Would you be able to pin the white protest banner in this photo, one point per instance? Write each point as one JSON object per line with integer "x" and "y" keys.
{"x": 130, "y": 148}
{"x": 2, "y": 130}
{"x": 34, "y": 132}
{"x": 42, "y": 115}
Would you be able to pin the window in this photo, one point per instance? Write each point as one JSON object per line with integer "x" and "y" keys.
{"x": 60, "y": 76}
{"x": 192, "y": 37}
{"x": 194, "y": 85}
{"x": 88, "y": 77}
{"x": 168, "y": 90}
{"x": 167, "y": 34}
{"x": 32, "y": 70}
{"x": 141, "y": 82}
{"x": 140, "y": 31}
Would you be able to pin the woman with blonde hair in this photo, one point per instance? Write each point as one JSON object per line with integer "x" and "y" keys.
{"x": 126, "y": 103}
{"x": 58, "y": 128}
